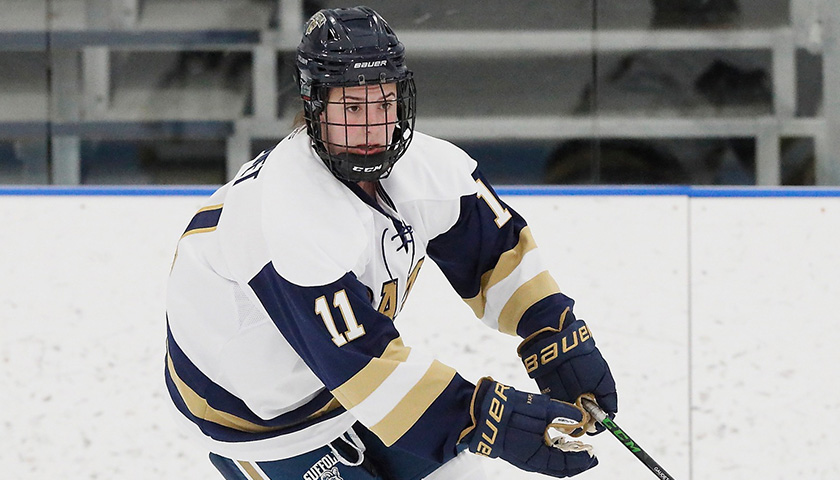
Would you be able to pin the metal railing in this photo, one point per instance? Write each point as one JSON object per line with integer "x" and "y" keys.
{"x": 81, "y": 90}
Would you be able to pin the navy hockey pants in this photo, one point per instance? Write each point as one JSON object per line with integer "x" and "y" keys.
{"x": 380, "y": 463}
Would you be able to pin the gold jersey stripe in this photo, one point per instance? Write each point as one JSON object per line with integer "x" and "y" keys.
{"x": 507, "y": 263}
{"x": 198, "y": 406}
{"x": 414, "y": 404}
{"x": 523, "y": 298}
{"x": 198, "y": 230}
{"x": 477, "y": 304}
{"x": 355, "y": 390}
{"x": 211, "y": 207}
{"x": 250, "y": 470}
{"x": 329, "y": 407}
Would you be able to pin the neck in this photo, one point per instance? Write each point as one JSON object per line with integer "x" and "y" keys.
{"x": 369, "y": 188}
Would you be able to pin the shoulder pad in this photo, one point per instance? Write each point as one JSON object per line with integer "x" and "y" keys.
{"x": 314, "y": 227}
{"x": 432, "y": 169}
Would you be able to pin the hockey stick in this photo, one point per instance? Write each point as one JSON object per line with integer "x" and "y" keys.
{"x": 622, "y": 437}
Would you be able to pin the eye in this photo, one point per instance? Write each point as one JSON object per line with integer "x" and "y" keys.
{"x": 388, "y": 105}
{"x": 352, "y": 108}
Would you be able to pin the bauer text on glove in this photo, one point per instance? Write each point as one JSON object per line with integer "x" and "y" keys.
{"x": 514, "y": 426}
{"x": 565, "y": 363}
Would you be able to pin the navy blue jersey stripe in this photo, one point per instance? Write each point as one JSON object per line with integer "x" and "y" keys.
{"x": 178, "y": 400}
{"x": 292, "y": 308}
{"x": 226, "y": 434}
{"x": 204, "y": 219}
{"x": 227, "y": 468}
{"x": 474, "y": 244}
{"x": 223, "y": 416}
{"x": 449, "y": 413}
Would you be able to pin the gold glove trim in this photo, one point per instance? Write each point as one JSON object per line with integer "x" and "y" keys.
{"x": 470, "y": 428}
{"x": 546, "y": 329}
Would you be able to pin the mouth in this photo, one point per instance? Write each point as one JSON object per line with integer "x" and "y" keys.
{"x": 366, "y": 149}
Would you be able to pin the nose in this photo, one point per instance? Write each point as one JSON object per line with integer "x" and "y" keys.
{"x": 375, "y": 117}
{"x": 377, "y": 127}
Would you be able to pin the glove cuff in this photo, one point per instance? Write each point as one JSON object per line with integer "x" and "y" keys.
{"x": 488, "y": 402}
{"x": 478, "y": 394}
{"x": 566, "y": 317}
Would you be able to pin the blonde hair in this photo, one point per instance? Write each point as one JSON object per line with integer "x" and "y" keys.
{"x": 299, "y": 120}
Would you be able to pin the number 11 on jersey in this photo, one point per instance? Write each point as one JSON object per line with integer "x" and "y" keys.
{"x": 340, "y": 301}
{"x": 502, "y": 213}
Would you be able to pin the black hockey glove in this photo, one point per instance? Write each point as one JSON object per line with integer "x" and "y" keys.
{"x": 566, "y": 364}
{"x": 516, "y": 427}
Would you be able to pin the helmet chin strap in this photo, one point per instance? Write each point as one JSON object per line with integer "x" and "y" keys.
{"x": 356, "y": 168}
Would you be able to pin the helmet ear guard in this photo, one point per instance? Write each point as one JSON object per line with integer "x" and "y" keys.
{"x": 313, "y": 107}
{"x": 354, "y": 47}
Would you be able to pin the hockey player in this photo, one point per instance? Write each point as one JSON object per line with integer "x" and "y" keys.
{"x": 282, "y": 351}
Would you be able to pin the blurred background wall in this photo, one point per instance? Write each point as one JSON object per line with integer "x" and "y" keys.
{"x": 702, "y": 92}
{"x": 719, "y": 313}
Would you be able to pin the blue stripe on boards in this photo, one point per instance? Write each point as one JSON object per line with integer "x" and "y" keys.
{"x": 804, "y": 192}
{"x": 668, "y": 190}
{"x": 107, "y": 190}
{"x": 509, "y": 190}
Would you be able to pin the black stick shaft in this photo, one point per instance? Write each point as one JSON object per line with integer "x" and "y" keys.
{"x": 625, "y": 439}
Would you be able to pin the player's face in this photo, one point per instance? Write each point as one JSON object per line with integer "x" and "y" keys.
{"x": 360, "y": 120}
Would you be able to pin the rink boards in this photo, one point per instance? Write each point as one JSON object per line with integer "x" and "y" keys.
{"x": 715, "y": 307}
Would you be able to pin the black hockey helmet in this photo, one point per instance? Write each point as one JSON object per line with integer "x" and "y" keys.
{"x": 352, "y": 47}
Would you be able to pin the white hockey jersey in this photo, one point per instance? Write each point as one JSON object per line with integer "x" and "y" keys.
{"x": 283, "y": 294}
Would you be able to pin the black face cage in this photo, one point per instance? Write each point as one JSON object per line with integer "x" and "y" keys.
{"x": 371, "y": 156}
